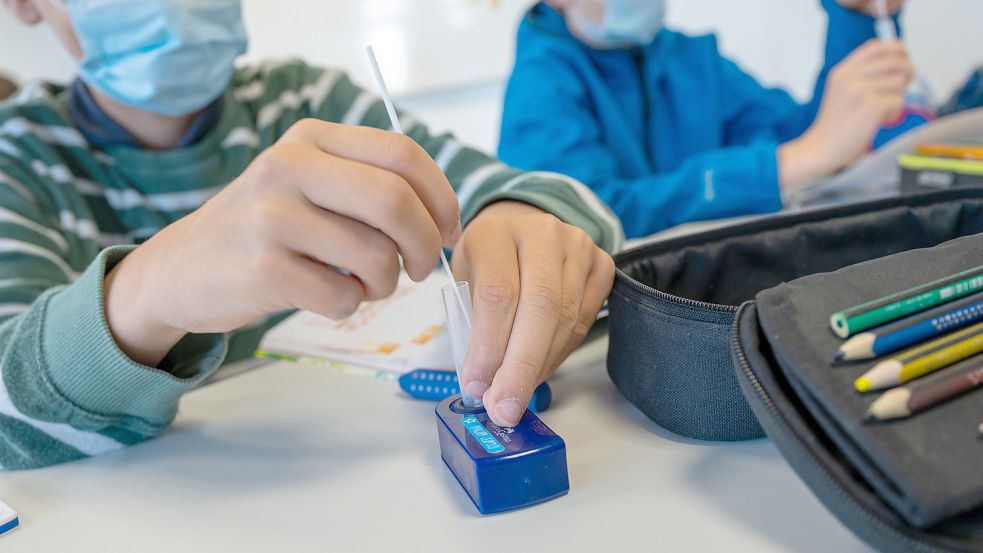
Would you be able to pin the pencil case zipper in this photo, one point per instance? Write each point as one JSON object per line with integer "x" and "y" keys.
{"x": 878, "y": 524}
{"x": 641, "y": 291}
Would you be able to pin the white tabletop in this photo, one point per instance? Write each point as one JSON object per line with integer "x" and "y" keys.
{"x": 297, "y": 458}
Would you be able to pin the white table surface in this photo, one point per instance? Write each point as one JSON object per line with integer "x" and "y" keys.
{"x": 296, "y": 458}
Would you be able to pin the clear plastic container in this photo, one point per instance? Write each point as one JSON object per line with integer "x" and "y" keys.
{"x": 457, "y": 306}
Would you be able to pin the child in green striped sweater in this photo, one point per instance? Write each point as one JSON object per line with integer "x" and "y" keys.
{"x": 157, "y": 214}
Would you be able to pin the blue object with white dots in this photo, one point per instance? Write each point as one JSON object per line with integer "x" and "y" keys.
{"x": 501, "y": 469}
{"x": 436, "y": 385}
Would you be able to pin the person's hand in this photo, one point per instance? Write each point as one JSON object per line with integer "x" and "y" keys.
{"x": 869, "y": 7}
{"x": 315, "y": 222}
{"x": 865, "y": 92}
{"x": 537, "y": 285}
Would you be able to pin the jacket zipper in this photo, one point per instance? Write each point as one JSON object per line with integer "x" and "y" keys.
{"x": 879, "y": 524}
{"x": 639, "y": 58}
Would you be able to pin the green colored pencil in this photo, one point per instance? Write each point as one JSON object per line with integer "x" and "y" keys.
{"x": 901, "y": 304}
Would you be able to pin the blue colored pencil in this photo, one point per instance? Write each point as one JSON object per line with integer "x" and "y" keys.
{"x": 912, "y": 330}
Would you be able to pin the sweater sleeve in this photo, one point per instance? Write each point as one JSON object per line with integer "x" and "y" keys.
{"x": 477, "y": 178}
{"x": 66, "y": 389}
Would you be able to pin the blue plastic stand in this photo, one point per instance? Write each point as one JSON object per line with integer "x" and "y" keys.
{"x": 501, "y": 469}
{"x": 435, "y": 385}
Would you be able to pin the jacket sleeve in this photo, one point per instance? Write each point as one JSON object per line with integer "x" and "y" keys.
{"x": 66, "y": 389}
{"x": 758, "y": 111}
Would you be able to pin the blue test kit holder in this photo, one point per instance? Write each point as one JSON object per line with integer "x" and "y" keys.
{"x": 501, "y": 469}
{"x": 436, "y": 384}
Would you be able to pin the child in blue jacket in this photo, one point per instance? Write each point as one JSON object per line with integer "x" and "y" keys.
{"x": 667, "y": 130}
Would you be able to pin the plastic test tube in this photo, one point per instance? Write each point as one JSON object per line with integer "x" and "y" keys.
{"x": 883, "y": 24}
{"x": 458, "y": 310}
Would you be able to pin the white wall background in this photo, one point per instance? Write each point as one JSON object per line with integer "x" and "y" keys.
{"x": 446, "y": 59}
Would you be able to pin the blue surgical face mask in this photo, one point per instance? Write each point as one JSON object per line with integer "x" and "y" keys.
{"x": 625, "y": 22}
{"x": 166, "y": 56}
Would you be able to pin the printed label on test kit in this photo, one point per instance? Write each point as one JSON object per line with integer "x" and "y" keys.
{"x": 482, "y": 435}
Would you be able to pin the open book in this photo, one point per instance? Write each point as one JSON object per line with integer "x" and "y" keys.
{"x": 397, "y": 334}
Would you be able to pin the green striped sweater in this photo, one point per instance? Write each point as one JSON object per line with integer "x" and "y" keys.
{"x": 68, "y": 213}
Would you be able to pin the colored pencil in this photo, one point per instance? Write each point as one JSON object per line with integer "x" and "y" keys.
{"x": 917, "y": 362}
{"x": 908, "y": 400}
{"x": 901, "y": 304}
{"x": 958, "y": 151}
{"x": 912, "y": 330}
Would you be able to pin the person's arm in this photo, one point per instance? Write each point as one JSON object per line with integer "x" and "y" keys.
{"x": 324, "y": 218}
{"x": 756, "y": 111}
{"x": 533, "y": 250}
{"x": 66, "y": 389}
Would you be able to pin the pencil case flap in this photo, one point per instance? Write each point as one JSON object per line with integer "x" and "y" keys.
{"x": 673, "y": 302}
{"x": 826, "y": 468}
{"x": 929, "y": 466}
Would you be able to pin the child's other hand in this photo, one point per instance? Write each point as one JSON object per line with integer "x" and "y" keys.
{"x": 870, "y": 8}
{"x": 537, "y": 285}
{"x": 865, "y": 92}
{"x": 325, "y": 196}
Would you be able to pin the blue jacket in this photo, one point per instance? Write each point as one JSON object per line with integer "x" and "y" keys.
{"x": 666, "y": 133}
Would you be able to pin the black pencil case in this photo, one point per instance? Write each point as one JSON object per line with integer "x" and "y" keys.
{"x": 710, "y": 339}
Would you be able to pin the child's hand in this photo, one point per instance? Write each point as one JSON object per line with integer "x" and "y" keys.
{"x": 325, "y": 195}
{"x": 870, "y": 8}
{"x": 537, "y": 285}
{"x": 863, "y": 93}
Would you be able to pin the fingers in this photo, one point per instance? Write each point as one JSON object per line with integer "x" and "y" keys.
{"x": 595, "y": 286}
{"x": 397, "y": 154}
{"x": 536, "y": 321}
{"x": 494, "y": 277}
{"x": 896, "y": 84}
{"x": 875, "y": 48}
{"x": 886, "y": 66}
{"x": 374, "y": 196}
{"x": 311, "y": 286}
{"x": 337, "y": 241}
{"x": 571, "y": 331}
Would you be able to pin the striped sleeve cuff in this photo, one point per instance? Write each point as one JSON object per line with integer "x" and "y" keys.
{"x": 566, "y": 198}
{"x": 83, "y": 362}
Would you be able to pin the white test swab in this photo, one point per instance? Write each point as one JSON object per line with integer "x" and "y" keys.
{"x": 394, "y": 119}
{"x": 883, "y": 24}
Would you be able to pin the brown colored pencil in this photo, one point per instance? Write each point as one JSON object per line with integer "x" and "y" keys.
{"x": 908, "y": 400}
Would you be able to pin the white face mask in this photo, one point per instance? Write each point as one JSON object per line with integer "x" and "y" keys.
{"x": 625, "y": 22}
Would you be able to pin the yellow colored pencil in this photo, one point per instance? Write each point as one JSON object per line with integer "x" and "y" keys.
{"x": 922, "y": 360}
